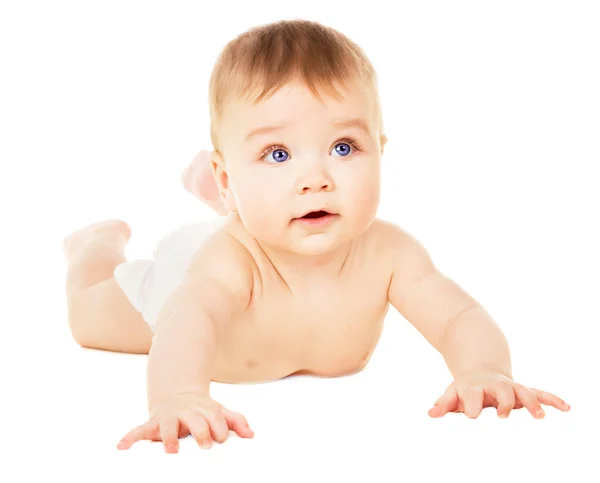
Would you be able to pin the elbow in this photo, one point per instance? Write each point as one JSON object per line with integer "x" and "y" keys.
{"x": 450, "y": 326}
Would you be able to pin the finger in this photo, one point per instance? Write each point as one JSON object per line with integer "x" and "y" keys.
{"x": 529, "y": 400}
{"x": 238, "y": 423}
{"x": 143, "y": 431}
{"x": 445, "y": 404}
{"x": 473, "y": 401}
{"x": 198, "y": 427}
{"x": 505, "y": 397}
{"x": 217, "y": 425}
{"x": 550, "y": 400}
{"x": 169, "y": 433}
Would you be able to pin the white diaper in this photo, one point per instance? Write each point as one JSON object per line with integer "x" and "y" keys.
{"x": 148, "y": 283}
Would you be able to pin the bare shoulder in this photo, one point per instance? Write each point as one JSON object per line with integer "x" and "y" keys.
{"x": 388, "y": 236}
{"x": 399, "y": 250}
{"x": 225, "y": 263}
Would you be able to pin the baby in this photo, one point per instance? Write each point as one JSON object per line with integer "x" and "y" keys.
{"x": 298, "y": 274}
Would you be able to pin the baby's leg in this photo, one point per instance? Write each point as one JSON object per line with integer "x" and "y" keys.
{"x": 100, "y": 315}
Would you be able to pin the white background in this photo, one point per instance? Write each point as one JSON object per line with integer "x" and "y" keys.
{"x": 492, "y": 113}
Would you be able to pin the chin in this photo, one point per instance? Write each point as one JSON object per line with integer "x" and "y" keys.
{"x": 313, "y": 248}
{"x": 319, "y": 244}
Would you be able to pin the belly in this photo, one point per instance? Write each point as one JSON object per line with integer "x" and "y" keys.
{"x": 266, "y": 350}
{"x": 250, "y": 366}
{"x": 251, "y": 353}
{"x": 343, "y": 352}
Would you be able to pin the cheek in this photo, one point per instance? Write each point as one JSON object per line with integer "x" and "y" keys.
{"x": 252, "y": 191}
{"x": 258, "y": 200}
{"x": 363, "y": 188}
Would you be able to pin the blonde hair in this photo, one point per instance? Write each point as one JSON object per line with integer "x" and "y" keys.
{"x": 263, "y": 59}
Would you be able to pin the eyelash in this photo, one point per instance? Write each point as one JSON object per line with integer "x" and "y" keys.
{"x": 353, "y": 143}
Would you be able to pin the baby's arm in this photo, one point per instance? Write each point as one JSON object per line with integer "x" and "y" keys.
{"x": 216, "y": 289}
{"x": 452, "y": 321}
{"x": 473, "y": 346}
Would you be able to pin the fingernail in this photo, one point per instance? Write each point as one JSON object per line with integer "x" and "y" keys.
{"x": 503, "y": 415}
{"x": 206, "y": 445}
{"x": 539, "y": 413}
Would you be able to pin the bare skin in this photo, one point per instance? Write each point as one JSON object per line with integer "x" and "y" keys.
{"x": 100, "y": 315}
{"x": 197, "y": 179}
{"x": 326, "y": 328}
{"x": 255, "y": 324}
{"x": 309, "y": 297}
{"x": 331, "y": 329}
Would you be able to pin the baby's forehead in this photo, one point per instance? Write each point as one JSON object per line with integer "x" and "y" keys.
{"x": 247, "y": 119}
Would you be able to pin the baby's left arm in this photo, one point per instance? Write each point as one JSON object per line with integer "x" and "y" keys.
{"x": 456, "y": 325}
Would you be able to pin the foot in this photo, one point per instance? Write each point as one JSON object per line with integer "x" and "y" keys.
{"x": 115, "y": 233}
{"x": 198, "y": 179}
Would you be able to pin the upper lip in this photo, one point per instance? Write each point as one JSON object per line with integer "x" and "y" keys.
{"x": 318, "y": 209}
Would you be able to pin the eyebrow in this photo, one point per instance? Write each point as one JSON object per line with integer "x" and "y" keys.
{"x": 356, "y": 122}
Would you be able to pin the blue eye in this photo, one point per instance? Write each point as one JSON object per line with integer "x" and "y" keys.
{"x": 345, "y": 151}
{"x": 280, "y": 155}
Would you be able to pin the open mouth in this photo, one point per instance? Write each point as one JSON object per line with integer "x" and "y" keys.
{"x": 320, "y": 218}
{"x": 316, "y": 214}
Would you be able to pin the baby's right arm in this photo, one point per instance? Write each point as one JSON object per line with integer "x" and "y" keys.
{"x": 216, "y": 288}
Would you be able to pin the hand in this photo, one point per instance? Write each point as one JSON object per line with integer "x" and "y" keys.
{"x": 473, "y": 391}
{"x": 202, "y": 417}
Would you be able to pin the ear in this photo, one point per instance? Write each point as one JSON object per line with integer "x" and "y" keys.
{"x": 221, "y": 177}
{"x": 383, "y": 141}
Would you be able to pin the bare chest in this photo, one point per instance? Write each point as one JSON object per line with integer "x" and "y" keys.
{"x": 328, "y": 332}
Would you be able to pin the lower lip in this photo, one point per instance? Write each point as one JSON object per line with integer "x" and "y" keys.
{"x": 317, "y": 222}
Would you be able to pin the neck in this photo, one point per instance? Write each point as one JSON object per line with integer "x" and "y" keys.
{"x": 300, "y": 271}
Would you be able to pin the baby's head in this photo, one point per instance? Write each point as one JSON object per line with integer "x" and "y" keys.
{"x": 296, "y": 127}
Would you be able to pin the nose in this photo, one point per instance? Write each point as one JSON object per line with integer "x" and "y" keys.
{"x": 314, "y": 179}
